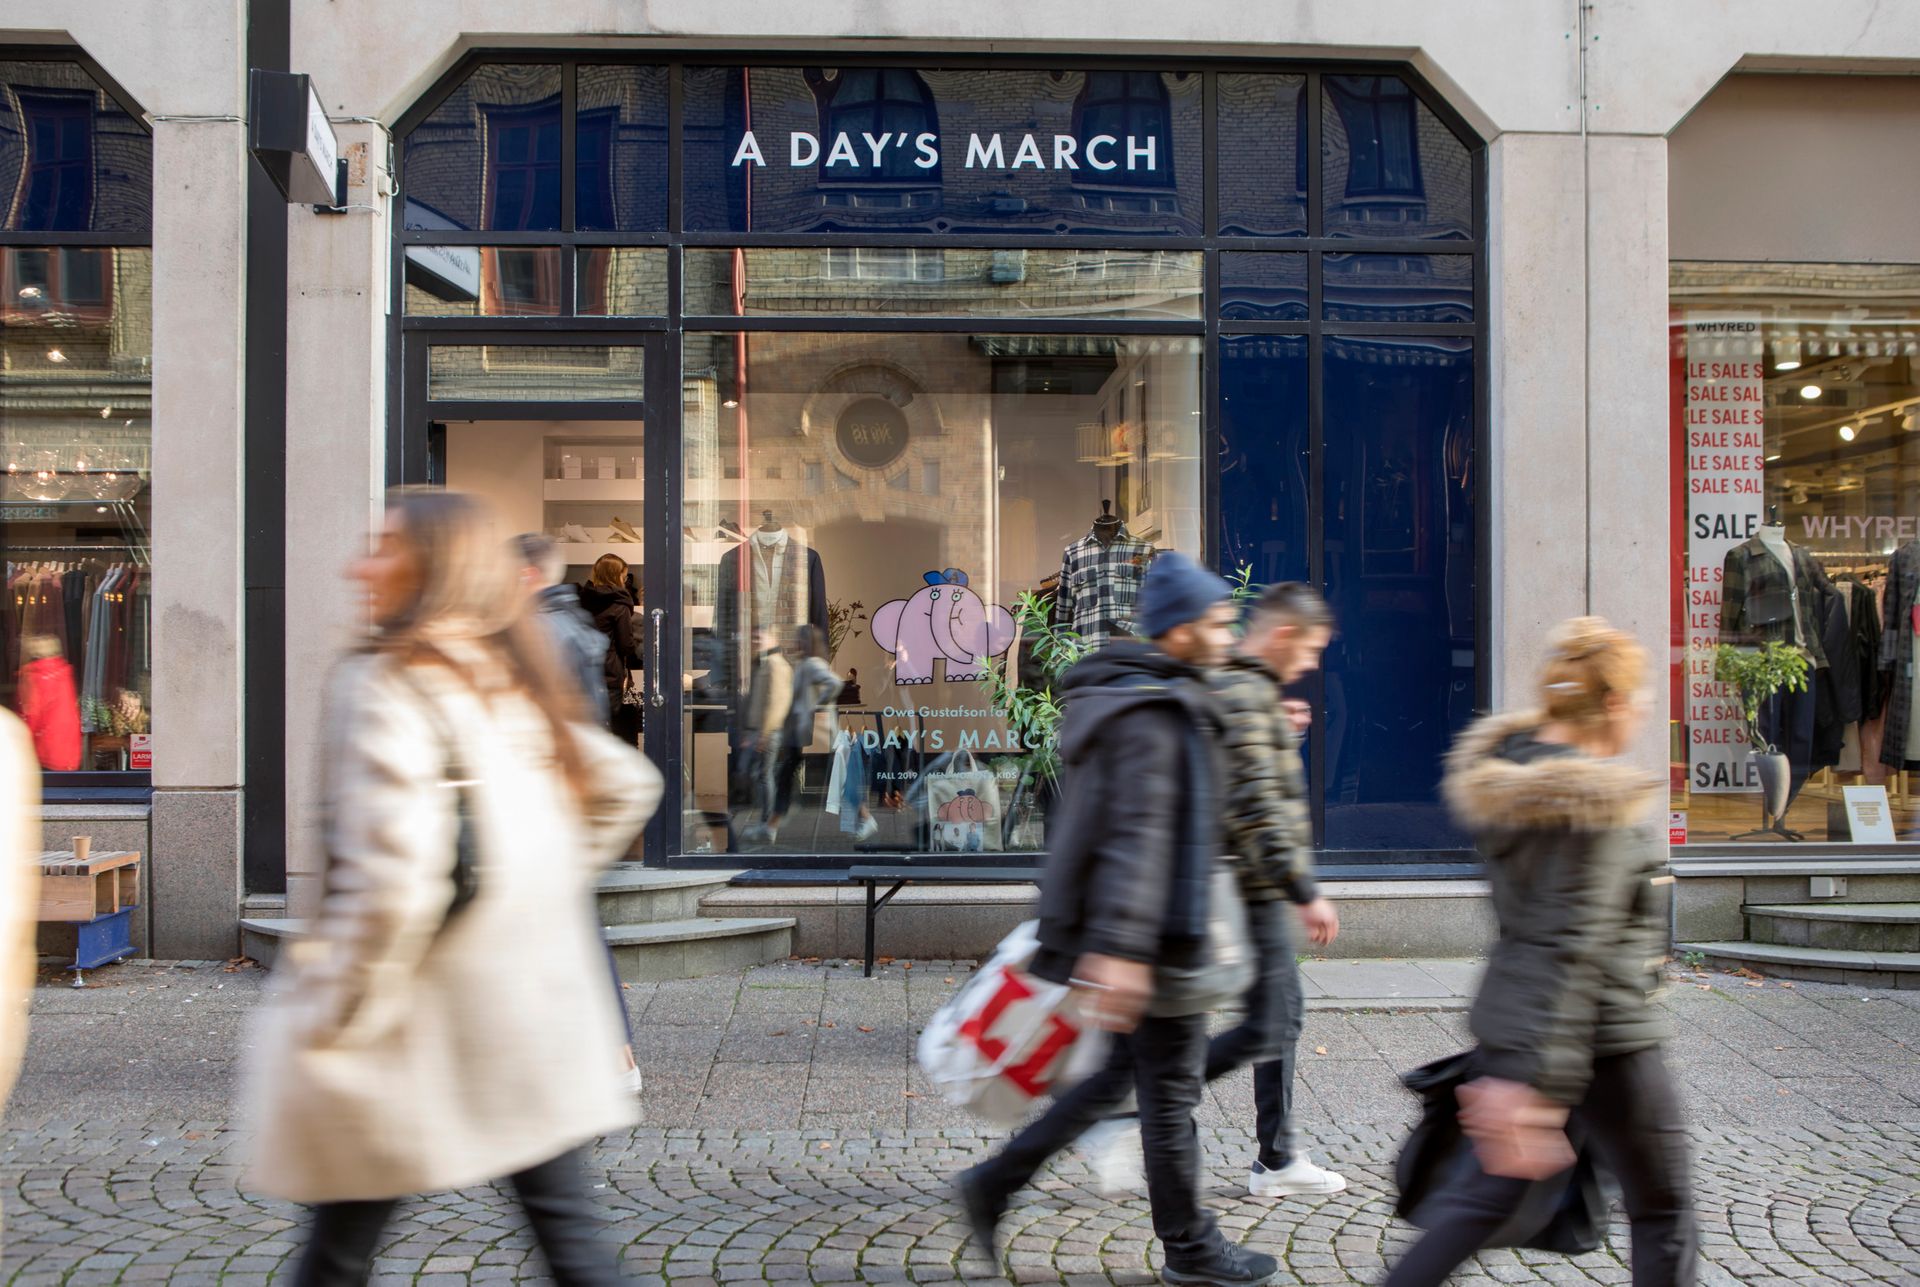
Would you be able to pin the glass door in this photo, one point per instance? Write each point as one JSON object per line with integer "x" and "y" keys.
{"x": 562, "y": 441}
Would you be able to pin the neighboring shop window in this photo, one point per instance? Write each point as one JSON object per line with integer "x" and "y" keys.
{"x": 76, "y": 344}
{"x": 1796, "y": 431}
{"x": 890, "y": 502}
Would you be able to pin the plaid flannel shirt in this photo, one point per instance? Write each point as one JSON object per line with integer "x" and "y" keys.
{"x": 1100, "y": 586}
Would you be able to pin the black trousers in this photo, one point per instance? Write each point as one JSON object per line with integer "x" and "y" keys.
{"x": 345, "y": 1235}
{"x": 1631, "y": 1116}
{"x": 1268, "y": 1036}
{"x": 1161, "y": 1061}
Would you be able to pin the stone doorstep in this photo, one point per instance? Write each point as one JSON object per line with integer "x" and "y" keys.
{"x": 1794, "y": 864}
{"x": 1355, "y": 891}
{"x": 1860, "y": 913}
{"x": 1820, "y": 958}
{"x": 695, "y": 929}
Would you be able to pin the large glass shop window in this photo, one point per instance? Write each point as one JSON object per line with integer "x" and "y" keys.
{"x": 882, "y": 534}
{"x": 76, "y": 374}
{"x": 1796, "y": 551}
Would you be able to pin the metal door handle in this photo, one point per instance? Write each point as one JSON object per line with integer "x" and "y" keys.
{"x": 659, "y": 694}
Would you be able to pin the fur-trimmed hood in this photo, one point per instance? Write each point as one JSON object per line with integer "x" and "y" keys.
{"x": 1487, "y": 790}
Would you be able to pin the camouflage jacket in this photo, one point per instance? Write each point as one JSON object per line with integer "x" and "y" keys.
{"x": 1268, "y": 828}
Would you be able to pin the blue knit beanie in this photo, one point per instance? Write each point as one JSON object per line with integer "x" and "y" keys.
{"x": 1176, "y": 590}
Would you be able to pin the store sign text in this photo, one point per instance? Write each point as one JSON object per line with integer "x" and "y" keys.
{"x": 864, "y": 151}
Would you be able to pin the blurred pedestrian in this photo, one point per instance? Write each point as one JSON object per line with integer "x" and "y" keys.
{"x": 815, "y": 689}
{"x": 20, "y": 848}
{"x": 769, "y": 697}
{"x": 1569, "y": 1036}
{"x": 445, "y": 1022}
{"x": 582, "y": 651}
{"x": 1125, "y": 912}
{"x": 1270, "y": 836}
{"x": 609, "y": 598}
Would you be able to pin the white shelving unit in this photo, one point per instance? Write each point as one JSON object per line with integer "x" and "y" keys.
{"x": 565, "y": 490}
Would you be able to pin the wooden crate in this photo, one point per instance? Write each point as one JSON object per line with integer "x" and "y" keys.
{"x": 74, "y": 892}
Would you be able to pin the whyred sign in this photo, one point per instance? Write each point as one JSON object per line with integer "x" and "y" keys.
{"x": 140, "y": 752}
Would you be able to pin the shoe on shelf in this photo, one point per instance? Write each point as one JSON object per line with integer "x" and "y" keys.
{"x": 575, "y": 534}
{"x": 1114, "y": 1151}
{"x": 868, "y": 826}
{"x": 623, "y": 531}
{"x": 1297, "y": 1177}
{"x": 1225, "y": 1265}
{"x": 982, "y": 1214}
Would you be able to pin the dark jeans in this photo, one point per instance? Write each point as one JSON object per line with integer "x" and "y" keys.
{"x": 1161, "y": 1062}
{"x": 1269, "y": 1033}
{"x": 554, "y": 1195}
{"x": 786, "y": 776}
{"x": 1631, "y": 1116}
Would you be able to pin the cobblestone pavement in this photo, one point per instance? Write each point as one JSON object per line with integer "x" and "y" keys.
{"x": 791, "y": 1140}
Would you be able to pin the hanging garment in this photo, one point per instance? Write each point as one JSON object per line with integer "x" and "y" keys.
{"x": 1760, "y": 603}
{"x": 1836, "y": 688}
{"x": 1786, "y": 720}
{"x": 1896, "y": 650}
{"x": 1100, "y": 585}
{"x": 798, "y": 595}
{"x": 51, "y": 710}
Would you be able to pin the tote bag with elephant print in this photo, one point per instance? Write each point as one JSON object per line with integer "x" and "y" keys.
{"x": 963, "y": 808}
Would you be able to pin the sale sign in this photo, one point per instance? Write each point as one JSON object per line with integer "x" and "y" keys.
{"x": 1725, "y": 434}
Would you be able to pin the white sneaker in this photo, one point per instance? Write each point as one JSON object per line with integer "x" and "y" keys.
{"x": 574, "y": 534}
{"x": 1119, "y": 1164}
{"x": 1296, "y": 1177}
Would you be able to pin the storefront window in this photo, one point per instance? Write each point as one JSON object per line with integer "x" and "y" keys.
{"x": 1796, "y": 401}
{"x": 76, "y": 376}
{"x": 925, "y": 335}
{"x": 891, "y": 501}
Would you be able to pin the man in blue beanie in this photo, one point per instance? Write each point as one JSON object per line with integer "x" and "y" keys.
{"x": 1125, "y": 912}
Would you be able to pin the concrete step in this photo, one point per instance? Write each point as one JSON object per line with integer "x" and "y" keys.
{"x": 1855, "y": 927}
{"x": 687, "y": 949}
{"x": 630, "y": 894}
{"x": 262, "y": 937}
{"x": 1815, "y": 964}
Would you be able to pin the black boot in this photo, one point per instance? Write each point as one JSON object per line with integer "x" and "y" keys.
{"x": 1225, "y": 1264}
{"x": 983, "y": 1209}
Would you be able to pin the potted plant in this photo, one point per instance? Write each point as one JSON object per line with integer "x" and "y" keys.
{"x": 1757, "y": 674}
{"x": 1028, "y": 704}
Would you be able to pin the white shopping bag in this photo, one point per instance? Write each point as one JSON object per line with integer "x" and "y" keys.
{"x": 1007, "y": 1040}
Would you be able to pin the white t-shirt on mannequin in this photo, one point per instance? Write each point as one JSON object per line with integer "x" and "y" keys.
{"x": 1774, "y": 537}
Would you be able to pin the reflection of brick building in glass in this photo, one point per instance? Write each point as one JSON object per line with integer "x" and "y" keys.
{"x": 1060, "y": 193}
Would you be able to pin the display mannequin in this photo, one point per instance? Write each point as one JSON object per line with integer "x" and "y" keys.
{"x": 1772, "y": 591}
{"x": 1100, "y": 577}
{"x": 772, "y": 580}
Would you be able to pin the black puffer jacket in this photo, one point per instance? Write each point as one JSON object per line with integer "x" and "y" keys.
{"x": 613, "y": 612}
{"x": 1572, "y": 862}
{"x": 1269, "y": 831}
{"x": 1137, "y": 832}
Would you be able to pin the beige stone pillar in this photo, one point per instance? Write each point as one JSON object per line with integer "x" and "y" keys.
{"x": 336, "y": 463}
{"x": 1536, "y": 464}
{"x": 199, "y": 285}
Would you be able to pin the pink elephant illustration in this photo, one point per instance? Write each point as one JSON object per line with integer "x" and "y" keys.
{"x": 948, "y": 620}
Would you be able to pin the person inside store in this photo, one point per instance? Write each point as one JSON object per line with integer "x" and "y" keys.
{"x": 1569, "y": 1037}
{"x": 814, "y": 690}
{"x": 445, "y": 1022}
{"x": 610, "y": 599}
{"x": 50, "y": 704}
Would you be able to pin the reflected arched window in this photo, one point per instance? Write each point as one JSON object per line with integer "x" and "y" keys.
{"x": 1130, "y": 107}
{"x": 887, "y": 103}
{"x": 72, "y": 159}
{"x": 1380, "y": 117}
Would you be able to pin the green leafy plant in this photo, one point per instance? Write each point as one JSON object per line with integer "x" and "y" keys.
{"x": 1757, "y": 674}
{"x": 1694, "y": 960}
{"x": 1029, "y": 704}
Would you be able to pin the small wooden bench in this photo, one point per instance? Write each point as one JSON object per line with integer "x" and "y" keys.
{"x": 899, "y": 875}
{"x": 96, "y": 896}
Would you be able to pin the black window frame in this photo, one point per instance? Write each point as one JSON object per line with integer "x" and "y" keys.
{"x": 407, "y": 432}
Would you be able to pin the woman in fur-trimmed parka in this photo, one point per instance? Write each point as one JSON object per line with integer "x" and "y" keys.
{"x": 1569, "y": 1034}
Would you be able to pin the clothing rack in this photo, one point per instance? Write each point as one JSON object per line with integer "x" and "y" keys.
{"x": 139, "y": 552}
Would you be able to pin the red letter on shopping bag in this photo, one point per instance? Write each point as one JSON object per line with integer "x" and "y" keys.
{"x": 1026, "y": 1076}
{"x": 975, "y": 1029}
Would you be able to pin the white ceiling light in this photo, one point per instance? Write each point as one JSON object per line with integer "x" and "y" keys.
{"x": 1809, "y": 391}
{"x": 1775, "y": 456}
{"x": 1846, "y": 433}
